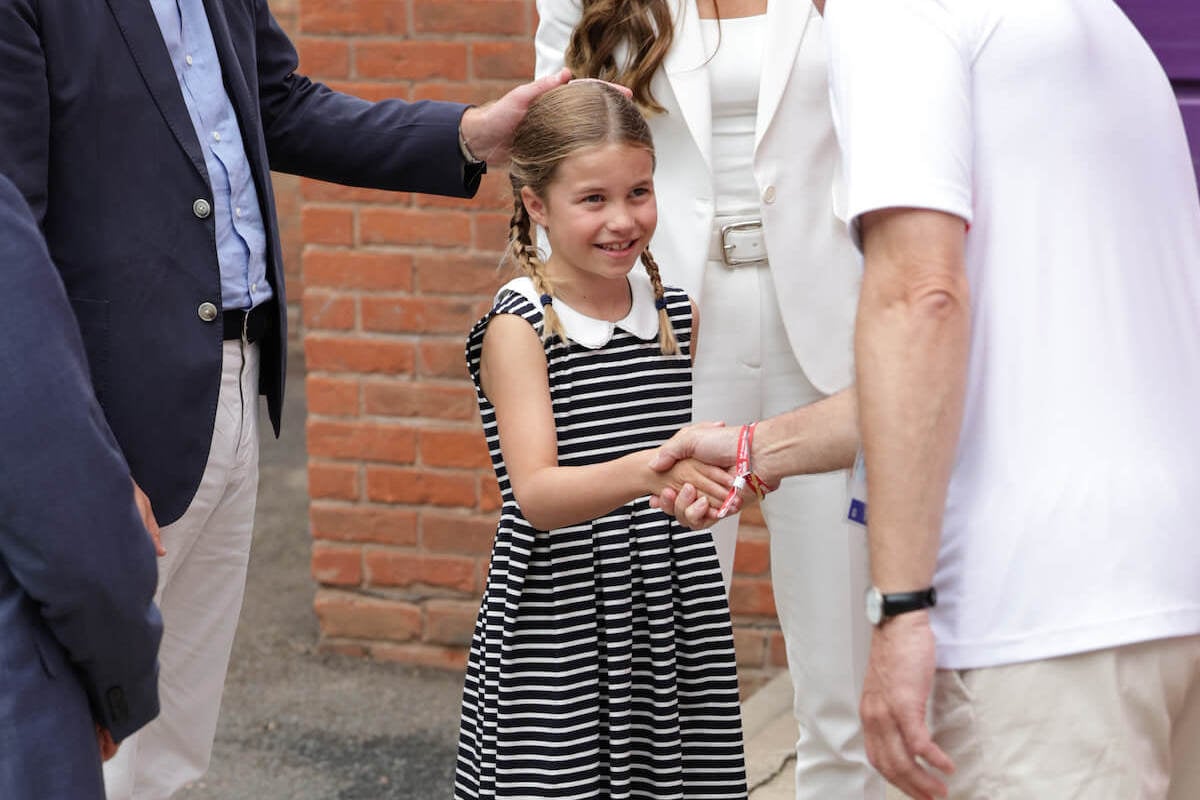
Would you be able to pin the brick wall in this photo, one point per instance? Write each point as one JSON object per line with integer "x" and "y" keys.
{"x": 403, "y": 497}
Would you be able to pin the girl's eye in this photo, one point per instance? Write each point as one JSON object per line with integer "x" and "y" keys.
{"x": 594, "y": 198}
{"x": 641, "y": 191}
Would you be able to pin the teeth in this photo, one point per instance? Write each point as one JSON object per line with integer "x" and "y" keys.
{"x": 617, "y": 246}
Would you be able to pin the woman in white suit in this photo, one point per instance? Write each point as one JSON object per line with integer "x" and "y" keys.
{"x": 738, "y": 103}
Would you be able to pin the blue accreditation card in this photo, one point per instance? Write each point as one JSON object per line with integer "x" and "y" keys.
{"x": 858, "y": 491}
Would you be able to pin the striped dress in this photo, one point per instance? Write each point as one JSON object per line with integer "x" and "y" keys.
{"x": 602, "y": 664}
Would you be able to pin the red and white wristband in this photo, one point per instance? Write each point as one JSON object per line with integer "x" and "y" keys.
{"x": 743, "y": 476}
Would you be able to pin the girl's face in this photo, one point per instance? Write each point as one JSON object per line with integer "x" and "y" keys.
{"x": 599, "y": 212}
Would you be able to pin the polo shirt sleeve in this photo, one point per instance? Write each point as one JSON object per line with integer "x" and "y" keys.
{"x": 900, "y": 90}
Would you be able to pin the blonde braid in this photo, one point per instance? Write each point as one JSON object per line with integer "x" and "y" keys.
{"x": 522, "y": 250}
{"x": 666, "y": 331}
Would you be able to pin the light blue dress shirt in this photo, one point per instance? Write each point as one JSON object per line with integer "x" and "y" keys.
{"x": 241, "y": 234}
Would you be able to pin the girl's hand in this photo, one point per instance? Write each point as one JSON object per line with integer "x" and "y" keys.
{"x": 712, "y": 483}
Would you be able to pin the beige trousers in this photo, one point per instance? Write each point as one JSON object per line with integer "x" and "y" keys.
{"x": 1115, "y": 724}
{"x": 201, "y": 581}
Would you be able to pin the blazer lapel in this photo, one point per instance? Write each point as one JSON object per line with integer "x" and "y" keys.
{"x": 787, "y": 23}
{"x": 685, "y": 68}
{"x": 139, "y": 27}
{"x": 233, "y": 70}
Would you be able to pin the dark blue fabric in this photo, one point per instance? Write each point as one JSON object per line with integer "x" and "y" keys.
{"x": 78, "y": 630}
{"x": 95, "y": 133}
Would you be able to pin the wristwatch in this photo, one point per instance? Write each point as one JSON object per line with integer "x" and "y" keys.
{"x": 882, "y": 607}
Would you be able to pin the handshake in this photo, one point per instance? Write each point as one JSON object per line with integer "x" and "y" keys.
{"x": 707, "y": 473}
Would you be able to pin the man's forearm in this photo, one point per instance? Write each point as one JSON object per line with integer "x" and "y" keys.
{"x": 820, "y": 437}
{"x": 911, "y": 348}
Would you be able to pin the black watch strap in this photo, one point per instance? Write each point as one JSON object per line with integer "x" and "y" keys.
{"x": 903, "y": 602}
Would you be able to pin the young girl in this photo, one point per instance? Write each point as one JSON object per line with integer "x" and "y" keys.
{"x": 602, "y": 664}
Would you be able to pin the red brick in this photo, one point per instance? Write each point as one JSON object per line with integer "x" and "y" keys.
{"x": 491, "y": 231}
{"x": 417, "y": 315}
{"x": 502, "y": 59}
{"x": 777, "y": 650}
{"x": 337, "y": 565}
{"x": 356, "y": 617}
{"x": 327, "y": 353}
{"x": 450, "y": 622}
{"x": 333, "y": 481}
{"x": 327, "y": 58}
{"x": 408, "y": 399}
{"x": 413, "y": 227}
{"x": 354, "y": 16}
{"x": 401, "y": 568}
{"x": 367, "y": 441}
{"x": 328, "y": 311}
{"x": 364, "y": 523}
{"x": 460, "y": 274}
{"x": 442, "y": 359}
{"x": 333, "y": 396}
{"x": 753, "y": 555}
{"x": 489, "y": 493}
{"x": 424, "y": 655}
{"x": 453, "y": 448}
{"x": 750, "y": 645}
{"x": 752, "y": 597}
{"x": 477, "y": 92}
{"x": 324, "y": 192}
{"x": 457, "y": 17}
{"x": 420, "y": 486}
{"x": 412, "y": 60}
{"x": 325, "y": 225}
{"x": 358, "y": 269}
{"x": 457, "y": 533}
{"x": 752, "y": 516}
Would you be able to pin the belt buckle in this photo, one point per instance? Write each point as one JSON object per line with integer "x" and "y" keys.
{"x": 726, "y": 247}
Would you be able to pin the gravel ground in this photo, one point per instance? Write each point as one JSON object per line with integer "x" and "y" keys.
{"x": 301, "y": 725}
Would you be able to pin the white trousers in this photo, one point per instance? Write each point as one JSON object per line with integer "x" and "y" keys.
{"x": 201, "y": 581}
{"x": 745, "y": 371}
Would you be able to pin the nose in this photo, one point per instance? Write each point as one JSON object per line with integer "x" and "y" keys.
{"x": 621, "y": 218}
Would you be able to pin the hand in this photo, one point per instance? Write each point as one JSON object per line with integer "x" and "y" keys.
{"x": 488, "y": 129}
{"x": 143, "y": 504}
{"x": 710, "y": 442}
{"x": 895, "y": 692}
{"x": 689, "y": 507}
{"x": 108, "y": 748}
{"x": 711, "y": 483}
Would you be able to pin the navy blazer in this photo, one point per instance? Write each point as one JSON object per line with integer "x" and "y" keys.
{"x": 95, "y": 133}
{"x": 79, "y": 631}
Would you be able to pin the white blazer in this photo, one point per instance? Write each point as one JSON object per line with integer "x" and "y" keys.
{"x": 815, "y": 268}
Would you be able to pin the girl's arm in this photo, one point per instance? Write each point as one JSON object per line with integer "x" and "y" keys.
{"x": 514, "y": 378}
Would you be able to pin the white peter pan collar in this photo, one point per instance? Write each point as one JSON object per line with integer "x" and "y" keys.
{"x": 592, "y": 333}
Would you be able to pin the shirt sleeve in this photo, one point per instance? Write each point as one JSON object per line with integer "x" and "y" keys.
{"x": 900, "y": 90}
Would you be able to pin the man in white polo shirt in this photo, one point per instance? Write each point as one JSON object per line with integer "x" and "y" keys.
{"x": 1028, "y": 351}
{"x": 1028, "y": 361}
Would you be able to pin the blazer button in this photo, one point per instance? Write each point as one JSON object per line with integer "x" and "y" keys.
{"x": 207, "y": 312}
{"x": 768, "y": 195}
{"x": 202, "y": 208}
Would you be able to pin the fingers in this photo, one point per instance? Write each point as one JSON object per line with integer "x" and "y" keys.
{"x": 148, "y": 519}
{"x": 108, "y": 748}
{"x": 674, "y": 450}
{"x": 893, "y": 748}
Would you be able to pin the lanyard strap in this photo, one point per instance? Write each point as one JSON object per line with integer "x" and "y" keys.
{"x": 743, "y": 476}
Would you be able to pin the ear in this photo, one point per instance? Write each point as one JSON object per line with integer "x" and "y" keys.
{"x": 535, "y": 207}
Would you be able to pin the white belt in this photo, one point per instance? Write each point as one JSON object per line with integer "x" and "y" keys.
{"x": 738, "y": 243}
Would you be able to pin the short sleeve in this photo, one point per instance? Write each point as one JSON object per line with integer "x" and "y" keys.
{"x": 900, "y": 90}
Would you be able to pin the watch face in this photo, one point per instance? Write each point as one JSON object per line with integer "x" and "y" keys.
{"x": 874, "y": 606}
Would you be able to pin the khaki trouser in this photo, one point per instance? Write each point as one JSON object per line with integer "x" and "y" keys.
{"x": 1115, "y": 724}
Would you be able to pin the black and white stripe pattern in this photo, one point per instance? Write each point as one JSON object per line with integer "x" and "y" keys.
{"x": 602, "y": 664}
